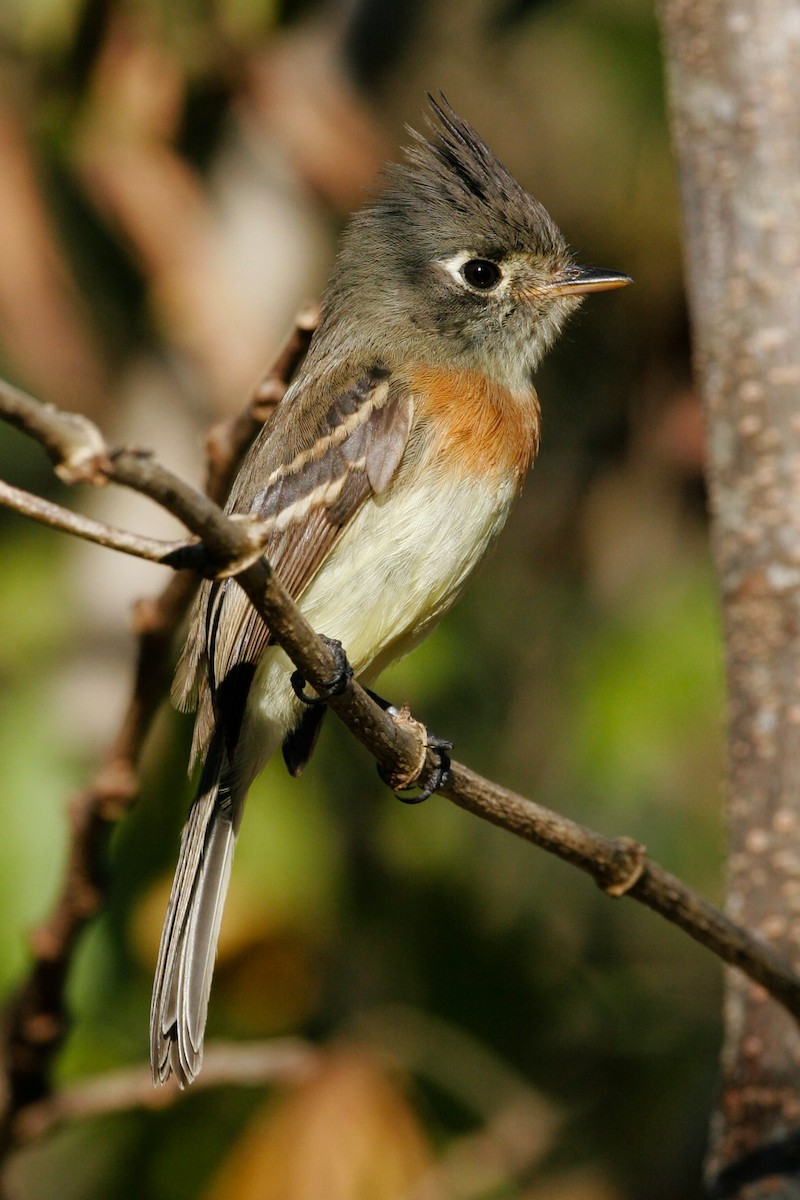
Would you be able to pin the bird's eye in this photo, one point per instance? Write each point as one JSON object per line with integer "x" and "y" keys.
{"x": 482, "y": 274}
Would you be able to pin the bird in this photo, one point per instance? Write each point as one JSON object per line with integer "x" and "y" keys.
{"x": 386, "y": 472}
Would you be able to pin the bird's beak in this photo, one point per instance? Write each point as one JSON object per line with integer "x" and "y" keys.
{"x": 576, "y": 281}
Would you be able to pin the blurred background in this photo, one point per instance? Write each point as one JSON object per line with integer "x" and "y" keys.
{"x": 173, "y": 178}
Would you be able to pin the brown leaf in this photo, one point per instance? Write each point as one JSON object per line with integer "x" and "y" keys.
{"x": 348, "y": 1134}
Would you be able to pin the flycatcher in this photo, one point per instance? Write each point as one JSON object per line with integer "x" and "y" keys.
{"x": 388, "y": 469}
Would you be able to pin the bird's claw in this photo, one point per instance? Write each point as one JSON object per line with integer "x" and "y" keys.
{"x": 439, "y": 775}
{"x": 339, "y": 681}
{"x": 432, "y": 780}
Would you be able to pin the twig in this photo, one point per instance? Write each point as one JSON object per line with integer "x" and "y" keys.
{"x": 73, "y": 443}
{"x": 619, "y": 866}
{"x": 63, "y": 519}
{"x": 80, "y": 455}
{"x": 226, "y": 546}
{"x": 226, "y": 440}
{"x": 503, "y": 1150}
{"x": 240, "y": 1064}
{"x": 34, "y": 1021}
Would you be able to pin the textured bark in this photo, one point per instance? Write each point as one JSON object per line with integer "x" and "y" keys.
{"x": 734, "y": 80}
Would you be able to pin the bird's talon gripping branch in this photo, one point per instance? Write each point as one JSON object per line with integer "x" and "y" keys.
{"x": 339, "y": 681}
{"x": 440, "y": 773}
{"x": 427, "y": 780}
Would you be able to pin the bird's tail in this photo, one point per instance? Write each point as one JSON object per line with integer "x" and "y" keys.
{"x": 191, "y": 927}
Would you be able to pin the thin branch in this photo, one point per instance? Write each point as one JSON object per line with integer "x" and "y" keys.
{"x": 227, "y": 440}
{"x": 76, "y": 441}
{"x": 73, "y": 443}
{"x": 509, "y": 1143}
{"x": 229, "y": 543}
{"x": 45, "y": 512}
{"x": 619, "y": 866}
{"x": 503, "y": 1151}
{"x": 240, "y": 1064}
{"x": 35, "y": 1021}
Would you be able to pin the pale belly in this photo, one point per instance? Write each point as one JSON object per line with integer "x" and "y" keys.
{"x": 399, "y": 566}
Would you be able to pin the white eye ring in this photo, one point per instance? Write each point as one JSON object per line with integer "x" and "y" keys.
{"x": 455, "y": 269}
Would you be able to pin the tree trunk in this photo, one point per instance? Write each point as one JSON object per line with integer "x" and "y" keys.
{"x": 733, "y": 70}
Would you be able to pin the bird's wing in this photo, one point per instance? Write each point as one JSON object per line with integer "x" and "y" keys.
{"x": 316, "y": 464}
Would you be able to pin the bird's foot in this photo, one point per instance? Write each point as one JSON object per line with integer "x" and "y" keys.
{"x": 339, "y": 681}
{"x": 439, "y": 775}
{"x": 428, "y": 780}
